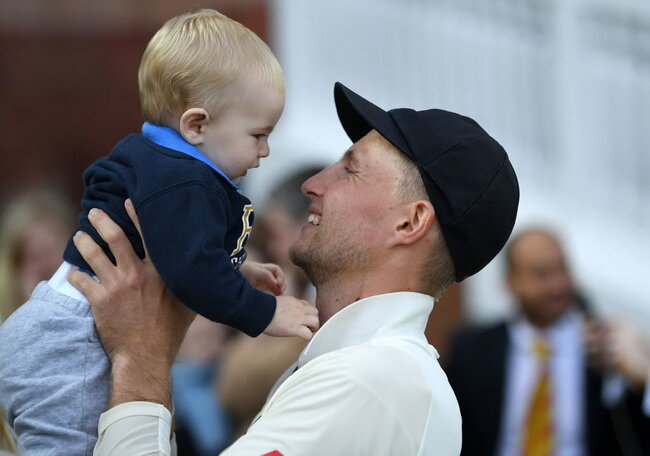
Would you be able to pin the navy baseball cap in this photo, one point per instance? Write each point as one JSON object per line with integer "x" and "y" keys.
{"x": 468, "y": 176}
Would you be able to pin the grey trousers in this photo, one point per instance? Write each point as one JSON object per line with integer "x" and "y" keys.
{"x": 54, "y": 375}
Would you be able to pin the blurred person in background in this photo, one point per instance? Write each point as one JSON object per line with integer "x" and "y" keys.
{"x": 202, "y": 426}
{"x": 33, "y": 232}
{"x": 540, "y": 387}
{"x": 251, "y": 366}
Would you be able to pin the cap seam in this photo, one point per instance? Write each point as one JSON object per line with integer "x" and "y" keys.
{"x": 487, "y": 187}
{"x": 454, "y": 147}
{"x": 410, "y": 154}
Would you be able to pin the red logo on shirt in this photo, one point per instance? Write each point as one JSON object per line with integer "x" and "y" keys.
{"x": 273, "y": 453}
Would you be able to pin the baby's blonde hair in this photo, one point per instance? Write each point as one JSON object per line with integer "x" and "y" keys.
{"x": 193, "y": 58}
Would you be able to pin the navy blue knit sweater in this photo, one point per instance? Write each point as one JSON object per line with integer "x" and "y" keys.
{"x": 195, "y": 225}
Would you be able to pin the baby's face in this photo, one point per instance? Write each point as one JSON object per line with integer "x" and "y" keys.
{"x": 237, "y": 137}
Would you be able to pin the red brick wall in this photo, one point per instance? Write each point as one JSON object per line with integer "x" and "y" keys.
{"x": 68, "y": 80}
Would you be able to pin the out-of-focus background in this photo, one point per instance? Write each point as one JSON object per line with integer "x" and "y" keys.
{"x": 564, "y": 85}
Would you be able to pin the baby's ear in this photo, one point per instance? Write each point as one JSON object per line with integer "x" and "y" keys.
{"x": 191, "y": 125}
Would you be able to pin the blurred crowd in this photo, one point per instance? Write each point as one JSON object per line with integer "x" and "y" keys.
{"x": 554, "y": 375}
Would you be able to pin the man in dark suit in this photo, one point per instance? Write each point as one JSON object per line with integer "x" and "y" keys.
{"x": 530, "y": 385}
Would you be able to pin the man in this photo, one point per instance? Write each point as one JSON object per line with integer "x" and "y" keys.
{"x": 420, "y": 199}
{"x": 530, "y": 386}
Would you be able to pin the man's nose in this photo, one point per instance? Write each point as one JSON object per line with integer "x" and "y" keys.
{"x": 312, "y": 187}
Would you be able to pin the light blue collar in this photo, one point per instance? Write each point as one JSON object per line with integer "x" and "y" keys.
{"x": 171, "y": 139}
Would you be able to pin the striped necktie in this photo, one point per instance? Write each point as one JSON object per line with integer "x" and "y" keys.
{"x": 538, "y": 440}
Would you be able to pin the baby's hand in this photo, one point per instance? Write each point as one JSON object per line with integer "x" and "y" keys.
{"x": 293, "y": 317}
{"x": 264, "y": 276}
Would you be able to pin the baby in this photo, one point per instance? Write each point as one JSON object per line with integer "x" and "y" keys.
{"x": 211, "y": 94}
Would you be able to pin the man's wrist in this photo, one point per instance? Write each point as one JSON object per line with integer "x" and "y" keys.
{"x": 140, "y": 380}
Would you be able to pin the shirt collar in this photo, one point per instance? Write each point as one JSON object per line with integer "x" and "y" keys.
{"x": 382, "y": 316}
{"x": 171, "y": 139}
{"x": 562, "y": 336}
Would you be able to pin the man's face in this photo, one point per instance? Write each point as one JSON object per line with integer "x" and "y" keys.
{"x": 539, "y": 278}
{"x": 352, "y": 204}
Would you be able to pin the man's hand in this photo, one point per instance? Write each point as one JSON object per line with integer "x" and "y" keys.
{"x": 595, "y": 340}
{"x": 265, "y": 276}
{"x": 293, "y": 317}
{"x": 140, "y": 323}
{"x": 629, "y": 352}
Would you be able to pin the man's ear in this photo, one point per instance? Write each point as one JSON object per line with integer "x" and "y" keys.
{"x": 192, "y": 123}
{"x": 415, "y": 223}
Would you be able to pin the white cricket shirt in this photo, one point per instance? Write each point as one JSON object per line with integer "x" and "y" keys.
{"x": 367, "y": 384}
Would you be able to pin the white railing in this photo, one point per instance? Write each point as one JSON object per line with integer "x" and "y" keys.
{"x": 564, "y": 85}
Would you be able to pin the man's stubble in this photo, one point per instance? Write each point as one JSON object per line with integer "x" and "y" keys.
{"x": 330, "y": 254}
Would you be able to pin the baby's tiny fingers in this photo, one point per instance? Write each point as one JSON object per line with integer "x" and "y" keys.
{"x": 312, "y": 322}
{"x": 268, "y": 276}
{"x": 277, "y": 289}
{"x": 276, "y": 270}
{"x": 304, "y": 333}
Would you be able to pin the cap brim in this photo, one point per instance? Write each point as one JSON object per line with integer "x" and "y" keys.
{"x": 358, "y": 117}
